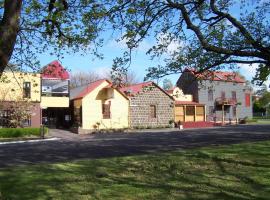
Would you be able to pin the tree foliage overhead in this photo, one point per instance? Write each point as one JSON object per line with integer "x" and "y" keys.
{"x": 211, "y": 33}
{"x": 28, "y": 28}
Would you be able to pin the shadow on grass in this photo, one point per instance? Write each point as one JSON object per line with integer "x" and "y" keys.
{"x": 227, "y": 172}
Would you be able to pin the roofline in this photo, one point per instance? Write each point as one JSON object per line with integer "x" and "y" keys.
{"x": 148, "y": 82}
{"x": 94, "y": 88}
{"x": 192, "y": 72}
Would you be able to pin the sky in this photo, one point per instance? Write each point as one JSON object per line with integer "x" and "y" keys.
{"x": 110, "y": 50}
{"x": 140, "y": 61}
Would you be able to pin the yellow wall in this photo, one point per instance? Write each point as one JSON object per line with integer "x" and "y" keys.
{"x": 180, "y": 112}
{"x": 92, "y": 110}
{"x": 178, "y": 95}
{"x": 58, "y": 102}
{"x": 11, "y": 86}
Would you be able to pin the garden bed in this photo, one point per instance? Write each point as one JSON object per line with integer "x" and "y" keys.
{"x": 11, "y": 134}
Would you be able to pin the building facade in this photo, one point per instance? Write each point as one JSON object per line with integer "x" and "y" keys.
{"x": 35, "y": 98}
{"x": 185, "y": 109}
{"x": 55, "y": 96}
{"x": 99, "y": 105}
{"x": 150, "y": 106}
{"x": 20, "y": 98}
{"x": 226, "y": 95}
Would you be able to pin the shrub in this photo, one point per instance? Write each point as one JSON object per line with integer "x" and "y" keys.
{"x": 20, "y": 132}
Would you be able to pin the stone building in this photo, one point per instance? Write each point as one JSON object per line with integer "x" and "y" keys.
{"x": 226, "y": 95}
{"x": 150, "y": 106}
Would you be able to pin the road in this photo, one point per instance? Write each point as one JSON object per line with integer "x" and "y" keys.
{"x": 72, "y": 147}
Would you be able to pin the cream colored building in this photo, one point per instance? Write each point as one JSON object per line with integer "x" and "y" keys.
{"x": 24, "y": 89}
{"x": 98, "y": 105}
{"x": 185, "y": 109}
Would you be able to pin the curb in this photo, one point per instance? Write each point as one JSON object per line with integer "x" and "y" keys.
{"x": 30, "y": 141}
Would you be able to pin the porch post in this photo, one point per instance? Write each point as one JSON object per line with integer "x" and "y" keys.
{"x": 185, "y": 113}
{"x": 223, "y": 117}
{"x": 204, "y": 113}
{"x": 195, "y": 113}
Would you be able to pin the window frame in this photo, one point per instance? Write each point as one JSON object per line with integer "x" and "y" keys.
{"x": 106, "y": 110}
{"x": 153, "y": 111}
{"x": 210, "y": 95}
{"x": 27, "y": 90}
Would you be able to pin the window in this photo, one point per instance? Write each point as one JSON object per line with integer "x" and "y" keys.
{"x": 247, "y": 99}
{"x": 190, "y": 110}
{"x": 234, "y": 111}
{"x": 153, "y": 111}
{"x": 211, "y": 110}
{"x": 106, "y": 110}
{"x": 222, "y": 95}
{"x": 210, "y": 95}
{"x": 4, "y": 118}
{"x": 26, "y": 89}
{"x": 233, "y": 95}
{"x": 200, "y": 110}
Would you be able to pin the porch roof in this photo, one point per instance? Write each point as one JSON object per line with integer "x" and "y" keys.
{"x": 188, "y": 103}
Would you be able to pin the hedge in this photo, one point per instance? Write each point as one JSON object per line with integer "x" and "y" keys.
{"x": 20, "y": 132}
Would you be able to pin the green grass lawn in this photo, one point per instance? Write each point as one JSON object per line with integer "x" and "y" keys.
{"x": 239, "y": 171}
{"x": 261, "y": 121}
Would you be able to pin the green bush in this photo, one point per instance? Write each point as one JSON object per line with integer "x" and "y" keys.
{"x": 20, "y": 132}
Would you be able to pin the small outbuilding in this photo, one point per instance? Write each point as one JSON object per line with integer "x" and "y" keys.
{"x": 98, "y": 105}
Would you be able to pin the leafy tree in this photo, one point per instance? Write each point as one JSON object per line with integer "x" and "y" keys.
{"x": 211, "y": 33}
{"x": 55, "y": 26}
{"x": 167, "y": 84}
{"x": 265, "y": 99}
{"x": 262, "y": 90}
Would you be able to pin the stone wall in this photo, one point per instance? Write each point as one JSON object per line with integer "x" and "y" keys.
{"x": 140, "y": 109}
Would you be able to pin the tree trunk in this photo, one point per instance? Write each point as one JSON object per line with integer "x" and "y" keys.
{"x": 9, "y": 27}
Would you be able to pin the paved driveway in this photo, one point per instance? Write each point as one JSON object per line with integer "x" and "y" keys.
{"x": 108, "y": 145}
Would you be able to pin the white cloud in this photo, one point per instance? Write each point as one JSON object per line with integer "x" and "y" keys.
{"x": 102, "y": 71}
{"x": 172, "y": 45}
{"x": 144, "y": 46}
{"x": 249, "y": 71}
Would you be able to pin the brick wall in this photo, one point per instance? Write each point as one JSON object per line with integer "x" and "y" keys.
{"x": 140, "y": 109}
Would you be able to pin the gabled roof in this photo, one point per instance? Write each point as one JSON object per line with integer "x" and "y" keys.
{"x": 217, "y": 76}
{"x": 135, "y": 89}
{"x": 54, "y": 70}
{"x": 82, "y": 91}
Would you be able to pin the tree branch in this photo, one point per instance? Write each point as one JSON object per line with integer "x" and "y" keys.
{"x": 203, "y": 41}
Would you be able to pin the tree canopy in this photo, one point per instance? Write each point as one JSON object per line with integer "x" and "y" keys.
{"x": 28, "y": 28}
{"x": 210, "y": 34}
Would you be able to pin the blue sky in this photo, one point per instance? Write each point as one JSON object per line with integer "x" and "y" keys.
{"x": 110, "y": 50}
{"x": 140, "y": 61}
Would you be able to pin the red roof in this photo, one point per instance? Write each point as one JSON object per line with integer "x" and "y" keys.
{"x": 82, "y": 91}
{"x": 137, "y": 88}
{"x": 54, "y": 70}
{"x": 187, "y": 103}
{"x": 218, "y": 76}
{"x": 89, "y": 88}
